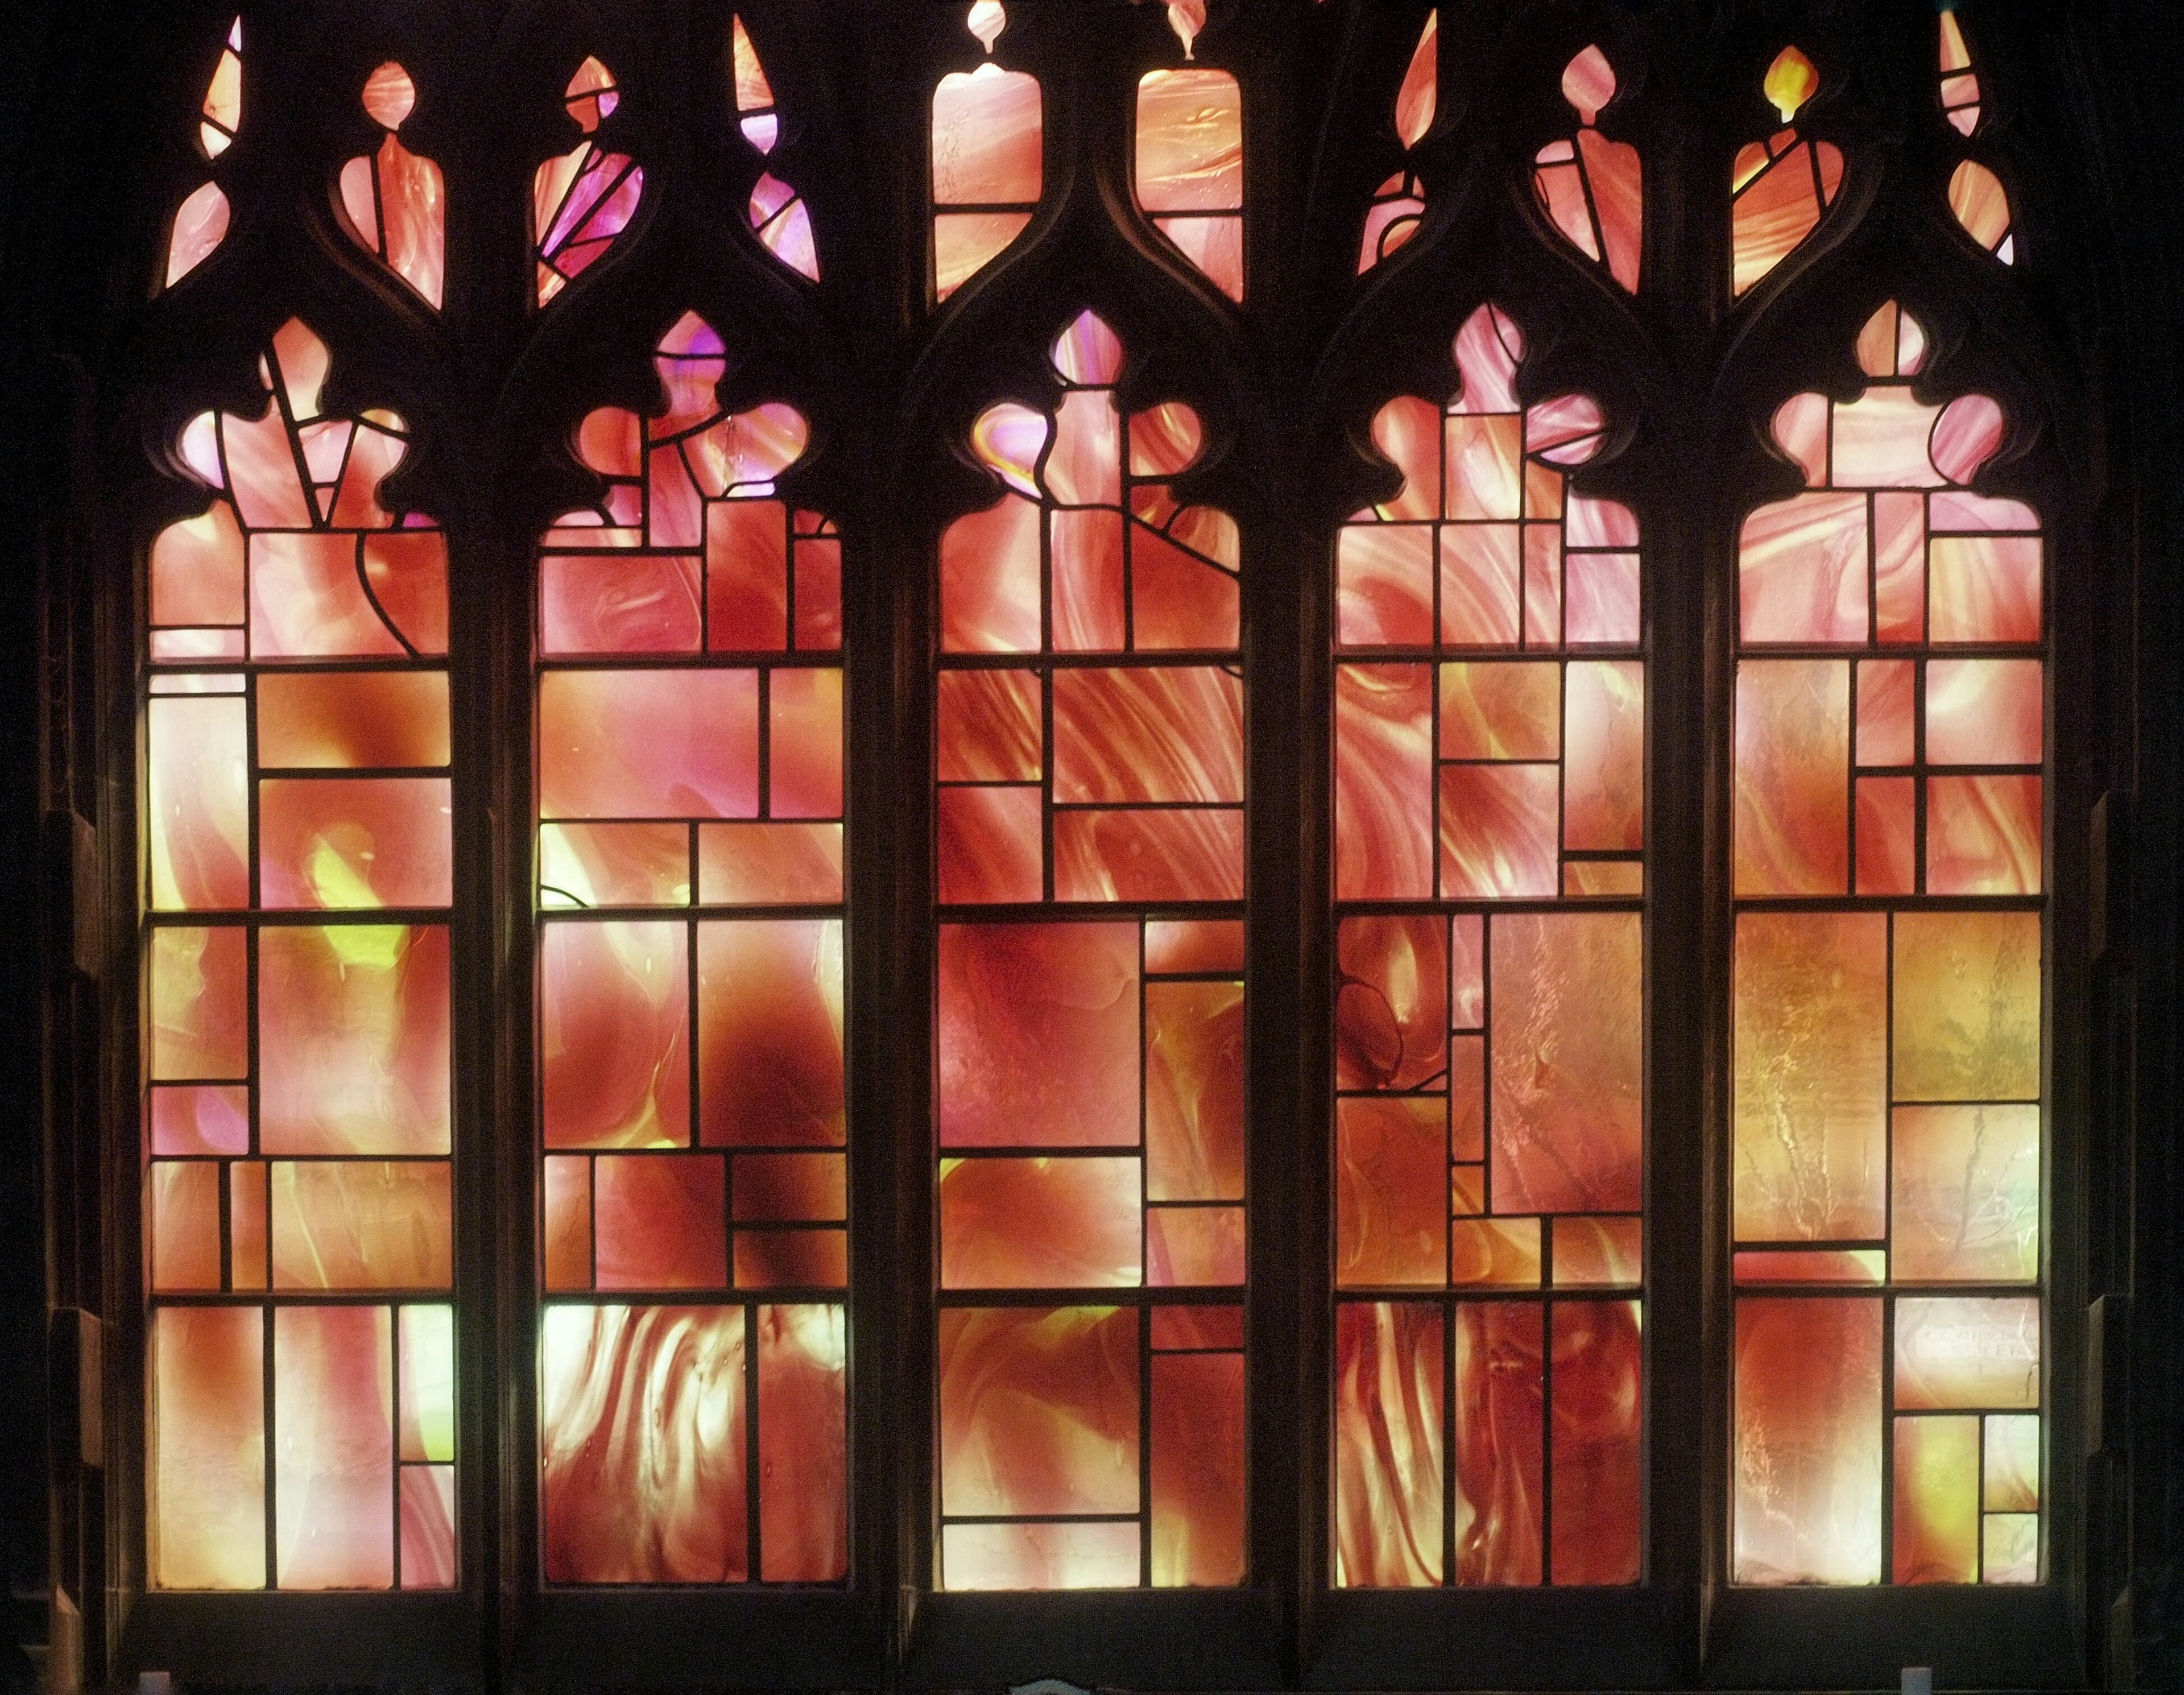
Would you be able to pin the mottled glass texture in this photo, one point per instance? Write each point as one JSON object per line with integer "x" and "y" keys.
{"x": 1780, "y": 188}
{"x": 1488, "y": 1123}
{"x": 1977, "y": 198}
{"x": 1591, "y": 189}
{"x": 1189, "y": 175}
{"x": 1889, "y": 756}
{"x": 297, "y": 877}
{"x": 693, "y": 1141}
{"x": 393, "y": 203}
{"x": 1089, "y": 743}
{"x": 583, "y": 200}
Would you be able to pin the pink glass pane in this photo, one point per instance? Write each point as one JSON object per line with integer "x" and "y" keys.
{"x": 200, "y": 226}
{"x": 649, "y": 744}
{"x": 196, "y": 802}
{"x": 661, "y": 1221}
{"x": 614, "y": 1034}
{"x": 349, "y": 842}
{"x": 1384, "y": 807}
{"x": 989, "y": 845}
{"x": 428, "y": 1527}
{"x": 333, "y": 1486}
{"x": 1391, "y": 1009}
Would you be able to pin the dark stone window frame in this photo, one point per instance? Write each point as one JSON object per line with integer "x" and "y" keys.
{"x": 2072, "y": 340}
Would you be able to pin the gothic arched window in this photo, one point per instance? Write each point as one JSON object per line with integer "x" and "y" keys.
{"x": 1187, "y": 845}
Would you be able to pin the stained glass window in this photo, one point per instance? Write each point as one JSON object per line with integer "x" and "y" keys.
{"x": 1089, "y": 741}
{"x": 1890, "y": 745}
{"x": 1976, "y": 196}
{"x": 777, "y": 211}
{"x": 297, "y": 880}
{"x": 693, "y": 1137}
{"x": 1489, "y": 1126}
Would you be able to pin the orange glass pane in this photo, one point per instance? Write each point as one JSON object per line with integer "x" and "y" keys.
{"x": 1040, "y": 1224}
{"x": 803, "y": 1368}
{"x": 1811, "y": 1265}
{"x": 1494, "y": 1252}
{"x": 1792, "y": 756}
{"x": 1967, "y": 999}
{"x": 210, "y": 1118}
{"x": 1985, "y": 589}
{"x": 206, "y": 1468}
{"x": 1173, "y": 734}
{"x": 642, "y": 1469}
{"x": 1597, "y": 1415}
{"x": 1501, "y": 712}
{"x": 352, "y": 720}
{"x": 199, "y": 1005}
{"x": 1969, "y": 1351}
{"x": 1983, "y": 835}
{"x": 769, "y": 1034}
{"x": 1383, "y": 806}
{"x": 1038, "y": 1410}
{"x": 1197, "y": 1469}
{"x": 1811, "y": 994}
{"x": 1887, "y": 836}
{"x": 1391, "y": 1162}
{"x": 362, "y": 1224}
{"x": 1801, "y": 570}
{"x": 182, "y": 1202}
{"x": 1937, "y": 1500}
{"x": 1965, "y": 1191}
{"x": 568, "y": 1223}
{"x": 615, "y": 865}
{"x": 1392, "y": 1006}
{"x": 1807, "y": 1441}
{"x": 1038, "y": 1035}
{"x": 1500, "y": 1437}
{"x": 1193, "y": 1090}
{"x": 1384, "y": 585}
{"x": 614, "y": 1034}
{"x": 987, "y": 136}
{"x": 1565, "y": 1000}
{"x": 989, "y": 842}
{"x": 989, "y": 580}
{"x": 1604, "y": 755}
{"x": 1497, "y": 830}
{"x": 353, "y": 1040}
{"x": 1389, "y": 1444}
{"x": 757, "y": 864}
{"x": 1984, "y": 711}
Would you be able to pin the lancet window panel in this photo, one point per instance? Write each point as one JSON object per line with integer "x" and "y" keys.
{"x": 1889, "y": 1126}
{"x": 1488, "y": 1128}
{"x": 694, "y": 1163}
{"x": 1089, "y": 720}
{"x": 298, "y": 1130}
